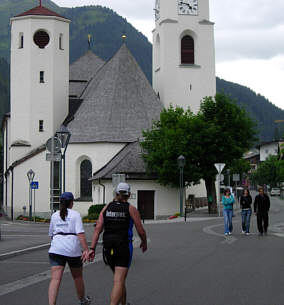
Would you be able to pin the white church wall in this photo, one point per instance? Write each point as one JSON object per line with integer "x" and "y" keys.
{"x": 176, "y": 83}
{"x": 98, "y": 153}
{"x": 21, "y": 187}
{"x": 32, "y": 100}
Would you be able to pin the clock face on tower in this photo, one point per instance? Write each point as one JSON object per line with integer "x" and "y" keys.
{"x": 188, "y": 7}
{"x": 157, "y": 9}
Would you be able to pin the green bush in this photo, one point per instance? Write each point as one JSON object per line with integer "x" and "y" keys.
{"x": 95, "y": 209}
{"x": 93, "y": 216}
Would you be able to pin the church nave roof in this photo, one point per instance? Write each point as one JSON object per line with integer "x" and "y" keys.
{"x": 117, "y": 104}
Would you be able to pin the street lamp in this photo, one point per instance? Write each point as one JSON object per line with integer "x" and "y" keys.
{"x": 181, "y": 164}
{"x": 64, "y": 135}
{"x": 228, "y": 173}
{"x": 30, "y": 175}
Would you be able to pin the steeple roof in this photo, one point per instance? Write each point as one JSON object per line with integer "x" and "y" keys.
{"x": 81, "y": 72}
{"x": 40, "y": 11}
{"x": 118, "y": 103}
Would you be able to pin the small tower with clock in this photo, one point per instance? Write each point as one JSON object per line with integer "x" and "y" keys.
{"x": 39, "y": 77}
{"x": 183, "y": 53}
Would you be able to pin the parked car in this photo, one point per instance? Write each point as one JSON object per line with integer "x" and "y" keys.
{"x": 275, "y": 191}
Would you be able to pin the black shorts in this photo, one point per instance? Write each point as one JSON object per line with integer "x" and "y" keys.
{"x": 118, "y": 254}
{"x": 61, "y": 260}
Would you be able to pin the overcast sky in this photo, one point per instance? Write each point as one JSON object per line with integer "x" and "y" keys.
{"x": 248, "y": 37}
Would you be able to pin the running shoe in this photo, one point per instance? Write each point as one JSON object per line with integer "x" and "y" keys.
{"x": 86, "y": 301}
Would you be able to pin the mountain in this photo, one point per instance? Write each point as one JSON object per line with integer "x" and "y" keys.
{"x": 4, "y": 87}
{"x": 260, "y": 108}
{"x": 106, "y": 28}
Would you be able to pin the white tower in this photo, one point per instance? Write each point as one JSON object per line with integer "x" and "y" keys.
{"x": 39, "y": 77}
{"x": 183, "y": 53}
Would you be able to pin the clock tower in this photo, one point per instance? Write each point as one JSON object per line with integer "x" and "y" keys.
{"x": 183, "y": 53}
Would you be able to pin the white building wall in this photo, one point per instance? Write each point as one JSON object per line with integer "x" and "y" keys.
{"x": 269, "y": 149}
{"x": 166, "y": 199}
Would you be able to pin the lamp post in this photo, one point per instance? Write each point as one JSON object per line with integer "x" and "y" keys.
{"x": 228, "y": 173}
{"x": 30, "y": 175}
{"x": 181, "y": 164}
{"x": 64, "y": 135}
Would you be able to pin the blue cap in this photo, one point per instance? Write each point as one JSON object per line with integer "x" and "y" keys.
{"x": 67, "y": 196}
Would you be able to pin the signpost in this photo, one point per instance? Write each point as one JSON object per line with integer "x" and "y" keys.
{"x": 34, "y": 186}
{"x": 219, "y": 167}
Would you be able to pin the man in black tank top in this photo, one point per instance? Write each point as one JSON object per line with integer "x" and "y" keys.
{"x": 117, "y": 220}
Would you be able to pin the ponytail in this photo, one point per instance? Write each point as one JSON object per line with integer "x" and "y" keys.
{"x": 64, "y": 204}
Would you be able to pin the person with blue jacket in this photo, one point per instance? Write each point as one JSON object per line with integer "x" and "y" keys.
{"x": 228, "y": 202}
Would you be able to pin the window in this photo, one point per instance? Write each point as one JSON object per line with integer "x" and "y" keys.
{"x": 187, "y": 50}
{"x": 61, "y": 42}
{"x": 40, "y": 125}
{"x": 85, "y": 175}
{"x": 41, "y": 76}
{"x": 21, "y": 40}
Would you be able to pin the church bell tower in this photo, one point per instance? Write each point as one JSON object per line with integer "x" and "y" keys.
{"x": 39, "y": 77}
{"x": 183, "y": 53}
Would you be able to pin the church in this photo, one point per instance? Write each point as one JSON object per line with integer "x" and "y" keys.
{"x": 77, "y": 127}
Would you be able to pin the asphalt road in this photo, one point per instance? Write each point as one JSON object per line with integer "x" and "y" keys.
{"x": 186, "y": 263}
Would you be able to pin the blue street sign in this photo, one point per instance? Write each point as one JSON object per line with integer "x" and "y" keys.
{"x": 34, "y": 185}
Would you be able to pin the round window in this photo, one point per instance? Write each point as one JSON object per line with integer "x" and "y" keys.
{"x": 41, "y": 39}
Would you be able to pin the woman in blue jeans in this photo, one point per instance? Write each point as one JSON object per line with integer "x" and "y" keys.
{"x": 228, "y": 201}
{"x": 245, "y": 203}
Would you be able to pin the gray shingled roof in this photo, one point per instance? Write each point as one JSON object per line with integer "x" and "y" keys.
{"x": 128, "y": 161}
{"x": 118, "y": 103}
{"x": 81, "y": 72}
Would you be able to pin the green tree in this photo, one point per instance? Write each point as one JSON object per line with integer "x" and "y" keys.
{"x": 270, "y": 172}
{"x": 220, "y": 132}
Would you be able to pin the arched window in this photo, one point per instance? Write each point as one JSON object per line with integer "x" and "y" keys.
{"x": 187, "y": 50}
{"x": 85, "y": 175}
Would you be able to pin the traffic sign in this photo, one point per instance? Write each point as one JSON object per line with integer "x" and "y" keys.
{"x": 236, "y": 177}
{"x": 53, "y": 157}
{"x": 34, "y": 185}
{"x": 55, "y": 142}
{"x": 219, "y": 167}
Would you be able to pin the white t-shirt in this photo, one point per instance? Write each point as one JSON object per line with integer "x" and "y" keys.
{"x": 67, "y": 245}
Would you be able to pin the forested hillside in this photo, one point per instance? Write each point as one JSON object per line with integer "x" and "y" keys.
{"x": 4, "y": 87}
{"x": 259, "y": 108}
{"x": 106, "y": 28}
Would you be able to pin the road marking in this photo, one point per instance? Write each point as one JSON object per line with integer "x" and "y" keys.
{"x": 26, "y": 250}
{"x": 36, "y": 278}
{"x": 46, "y": 275}
{"x": 23, "y": 262}
{"x": 228, "y": 239}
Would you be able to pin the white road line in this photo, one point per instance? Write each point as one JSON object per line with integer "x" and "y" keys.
{"x": 46, "y": 275}
{"x": 228, "y": 239}
{"x": 36, "y": 278}
{"x": 21, "y": 235}
{"x": 23, "y": 262}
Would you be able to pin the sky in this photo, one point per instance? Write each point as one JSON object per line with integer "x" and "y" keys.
{"x": 249, "y": 38}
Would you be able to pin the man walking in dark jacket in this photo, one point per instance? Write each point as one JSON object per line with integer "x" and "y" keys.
{"x": 261, "y": 208}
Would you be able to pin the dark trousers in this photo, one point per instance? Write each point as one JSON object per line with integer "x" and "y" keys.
{"x": 262, "y": 221}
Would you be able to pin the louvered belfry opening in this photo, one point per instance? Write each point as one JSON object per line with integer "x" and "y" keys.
{"x": 187, "y": 50}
